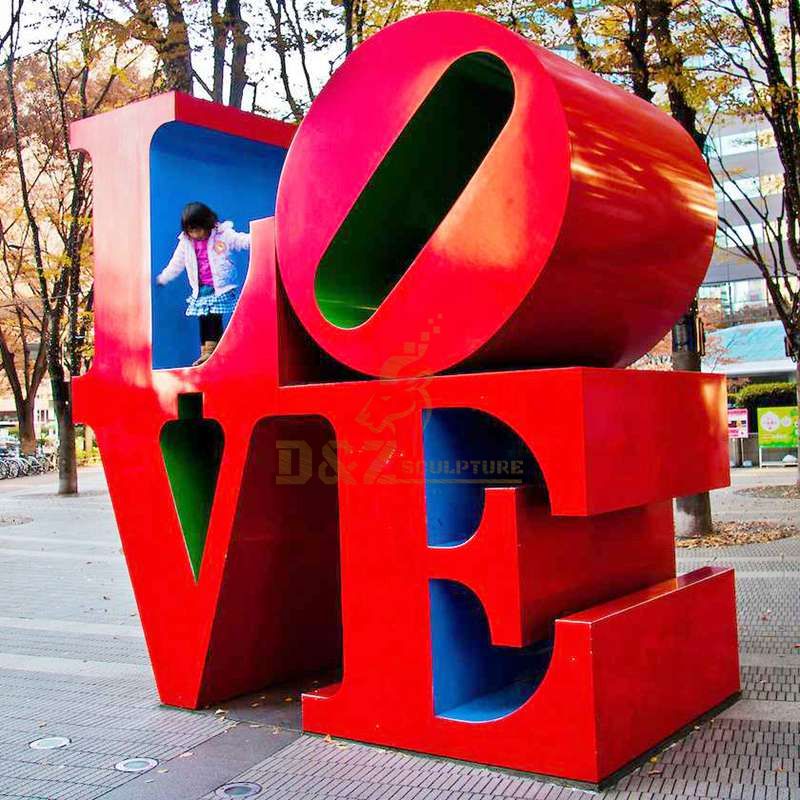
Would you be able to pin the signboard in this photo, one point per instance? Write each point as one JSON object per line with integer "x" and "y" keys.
{"x": 737, "y": 423}
{"x": 777, "y": 427}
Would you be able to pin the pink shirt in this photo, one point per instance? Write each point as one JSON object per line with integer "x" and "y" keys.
{"x": 203, "y": 267}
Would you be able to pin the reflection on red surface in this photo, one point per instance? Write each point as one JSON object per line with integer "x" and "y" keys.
{"x": 579, "y": 240}
{"x": 317, "y": 549}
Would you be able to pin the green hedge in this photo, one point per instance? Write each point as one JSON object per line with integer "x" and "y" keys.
{"x": 762, "y": 395}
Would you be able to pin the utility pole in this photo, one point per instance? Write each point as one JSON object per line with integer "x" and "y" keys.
{"x": 693, "y": 512}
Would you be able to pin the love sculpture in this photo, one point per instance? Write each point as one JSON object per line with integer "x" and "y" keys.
{"x": 412, "y": 454}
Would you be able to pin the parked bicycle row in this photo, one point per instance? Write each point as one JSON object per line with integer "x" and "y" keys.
{"x": 14, "y": 464}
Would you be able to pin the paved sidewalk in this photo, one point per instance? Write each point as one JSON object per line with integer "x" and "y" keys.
{"x": 73, "y": 664}
{"x": 730, "y": 505}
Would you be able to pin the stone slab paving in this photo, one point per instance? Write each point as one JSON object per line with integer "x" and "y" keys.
{"x": 73, "y": 664}
{"x": 730, "y": 505}
{"x": 73, "y": 661}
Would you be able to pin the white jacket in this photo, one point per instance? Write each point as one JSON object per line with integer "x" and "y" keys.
{"x": 221, "y": 243}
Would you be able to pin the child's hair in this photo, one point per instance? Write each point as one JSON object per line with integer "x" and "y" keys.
{"x": 198, "y": 215}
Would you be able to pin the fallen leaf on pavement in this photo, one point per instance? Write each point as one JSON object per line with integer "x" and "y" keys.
{"x": 726, "y": 534}
{"x": 781, "y": 492}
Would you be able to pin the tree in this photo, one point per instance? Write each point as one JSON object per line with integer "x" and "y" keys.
{"x": 645, "y": 45}
{"x": 756, "y": 42}
{"x": 22, "y": 327}
{"x": 70, "y": 78}
{"x": 206, "y": 47}
{"x": 283, "y": 33}
{"x": 162, "y": 25}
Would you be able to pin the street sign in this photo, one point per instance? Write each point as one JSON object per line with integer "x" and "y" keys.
{"x": 737, "y": 423}
{"x": 777, "y": 427}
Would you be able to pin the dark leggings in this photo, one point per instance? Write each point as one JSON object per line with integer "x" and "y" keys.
{"x": 210, "y": 327}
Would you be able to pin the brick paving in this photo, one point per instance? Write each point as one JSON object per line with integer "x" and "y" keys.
{"x": 73, "y": 664}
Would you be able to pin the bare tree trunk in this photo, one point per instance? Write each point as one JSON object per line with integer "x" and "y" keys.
{"x": 635, "y": 44}
{"x": 796, "y": 350}
{"x": 176, "y": 51}
{"x": 172, "y": 44}
{"x": 27, "y": 430}
{"x": 220, "y": 42}
{"x": 361, "y": 18}
{"x": 238, "y": 28}
{"x": 297, "y": 27}
{"x": 281, "y": 46}
{"x": 67, "y": 457}
{"x": 693, "y": 512}
{"x": 50, "y": 318}
{"x": 24, "y": 387}
{"x": 672, "y": 62}
{"x": 70, "y": 287}
{"x": 693, "y": 517}
{"x": 582, "y": 54}
{"x": 347, "y": 12}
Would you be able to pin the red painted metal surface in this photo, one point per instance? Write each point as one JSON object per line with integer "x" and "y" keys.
{"x": 319, "y": 520}
{"x": 611, "y": 690}
{"x": 592, "y": 206}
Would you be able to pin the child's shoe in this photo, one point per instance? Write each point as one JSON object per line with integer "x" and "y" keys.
{"x": 205, "y": 353}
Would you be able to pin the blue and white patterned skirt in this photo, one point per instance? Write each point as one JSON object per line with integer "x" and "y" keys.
{"x": 207, "y": 302}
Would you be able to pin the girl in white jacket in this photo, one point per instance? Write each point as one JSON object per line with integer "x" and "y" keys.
{"x": 204, "y": 248}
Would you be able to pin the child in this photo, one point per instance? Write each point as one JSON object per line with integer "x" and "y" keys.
{"x": 204, "y": 248}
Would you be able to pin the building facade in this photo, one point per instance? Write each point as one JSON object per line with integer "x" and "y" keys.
{"x": 745, "y": 159}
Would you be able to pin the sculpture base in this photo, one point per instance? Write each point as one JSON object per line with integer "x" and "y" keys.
{"x": 624, "y": 676}
{"x": 607, "y": 783}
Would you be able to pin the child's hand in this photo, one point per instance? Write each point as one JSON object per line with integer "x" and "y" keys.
{"x": 160, "y": 280}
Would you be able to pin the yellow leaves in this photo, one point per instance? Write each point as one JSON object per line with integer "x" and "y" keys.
{"x": 59, "y": 262}
{"x": 50, "y": 274}
{"x": 608, "y": 26}
{"x": 121, "y": 75}
{"x": 453, "y": 5}
{"x": 766, "y": 139}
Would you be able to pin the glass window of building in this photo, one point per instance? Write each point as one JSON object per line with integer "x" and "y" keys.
{"x": 747, "y": 234}
{"x": 741, "y": 188}
{"x": 766, "y": 139}
{"x": 736, "y": 295}
{"x": 742, "y": 142}
{"x": 748, "y": 293}
{"x": 717, "y": 291}
{"x": 735, "y": 143}
{"x": 713, "y": 291}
